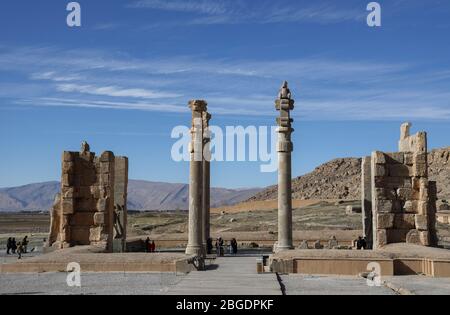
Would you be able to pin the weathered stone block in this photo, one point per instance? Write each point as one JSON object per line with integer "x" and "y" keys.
{"x": 413, "y": 237}
{"x": 381, "y": 238}
{"x": 378, "y": 157}
{"x": 67, "y": 206}
{"x": 383, "y": 206}
{"x": 105, "y": 168}
{"x": 420, "y": 158}
{"x": 68, "y": 167}
{"x": 95, "y": 192}
{"x": 424, "y": 238}
{"x": 105, "y": 179}
{"x": 404, "y": 193}
{"x": 68, "y": 156}
{"x": 397, "y": 206}
{"x": 405, "y": 222}
{"x": 397, "y": 235}
{"x": 99, "y": 218}
{"x": 420, "y": 170}
{"x": 399, "y": 170}
{"x": 103, "y": 204}
{"x": 422, "y": 208}
{"x": 107, "y": 156}
{"x": 66, "y": 180}
{"x": 395, "y": 158}
{"x": 379, "y": 170}
{"x": 421, "y": 222}
{"x": 68, "y": 192}
{"x": 80, "y": 219}
{"x": 385, "y": 221}
{"x": 409, "y": 159}
{"x": 85, "y": 205}
{"x": 95, "y": 234}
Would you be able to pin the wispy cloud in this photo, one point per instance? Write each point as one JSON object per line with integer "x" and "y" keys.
{"x": 114, "y": 91}
{"x": 257, "y": 12}
{"x": 197, "y": 6}
{"x": 325, "y": 88}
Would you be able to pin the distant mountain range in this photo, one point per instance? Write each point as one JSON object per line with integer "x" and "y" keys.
{"x": 142, "y": 195}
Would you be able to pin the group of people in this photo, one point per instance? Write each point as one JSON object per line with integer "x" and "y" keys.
{"x": 361, "y": 243}
{"x": 19, "y": 248}
{"x": 150, "y": 246}
{"x": 220, "y": 246}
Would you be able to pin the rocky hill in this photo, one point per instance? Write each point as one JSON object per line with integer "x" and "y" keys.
{"x": 341, "y": 178}
{"x": 142, "y": 195}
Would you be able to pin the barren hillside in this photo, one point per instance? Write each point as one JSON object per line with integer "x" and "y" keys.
{"x": 341, "y": 178}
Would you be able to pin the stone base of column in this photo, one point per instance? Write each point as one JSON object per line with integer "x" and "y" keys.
{"x": 278, "y": 249}
{"x": 195, "y": 250}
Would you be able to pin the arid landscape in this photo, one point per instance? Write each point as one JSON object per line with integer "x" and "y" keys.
{"x": 249, "y": 222}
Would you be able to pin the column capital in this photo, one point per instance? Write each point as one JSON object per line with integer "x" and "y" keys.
{"x": 198, "y": 105}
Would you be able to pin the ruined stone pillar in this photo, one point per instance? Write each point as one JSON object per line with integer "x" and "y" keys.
{"x": 366, "y": 199}
{"x": 284, "y": 104}
{"x": 195, "y": 237}
{"x": 120, "y": 203}
{"x": 206, "y": 229}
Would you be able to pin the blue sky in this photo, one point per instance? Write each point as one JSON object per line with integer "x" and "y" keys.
{"x": 122, "y": 81}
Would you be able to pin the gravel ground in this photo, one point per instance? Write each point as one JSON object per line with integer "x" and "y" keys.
{"x": 315, "y": 285}
{"x": 91, "y": 284}
{"x": 420, "y": 285}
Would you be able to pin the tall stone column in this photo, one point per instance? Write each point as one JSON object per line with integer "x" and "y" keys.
{"x": 195, "y": 242}
{"x": 206, "y": 179}
{"x": 284, "y": 104}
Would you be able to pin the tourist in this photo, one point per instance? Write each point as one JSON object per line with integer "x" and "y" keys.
{"x": 147, "y": 245}
{"x": 221, "y": 249}
{"x": 20, "y": 250}
{"x": 9, "y": 246}
{"x": 209, "y": 246}
{"x": 234, "y": 246}
{"x": 25, "y": 244}
{"x": 13, "y": 245}
{"x": 359, "y": 243}
{"x": 153, "y": 247}
{"x": 364, "y": 243}
{"x": 217, "y": 247}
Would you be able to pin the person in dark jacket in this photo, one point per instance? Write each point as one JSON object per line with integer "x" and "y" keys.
{"x": 9, "y": 246}
{"x": 13, "y": 245}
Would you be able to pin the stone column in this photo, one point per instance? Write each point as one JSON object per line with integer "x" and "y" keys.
{"x": 195, "y": 241}
{"x": 206, "y": 179}
{"x": 284, "y": 104}
{"x": 366, "y": 199}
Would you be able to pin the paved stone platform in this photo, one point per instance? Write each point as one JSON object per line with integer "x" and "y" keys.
{"x": 296, "y": 284}
{"x": 228, "y": 276}
{"x": 92, "y": 260}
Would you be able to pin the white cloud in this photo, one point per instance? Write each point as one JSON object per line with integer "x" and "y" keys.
{"x": 191, "y": 6}
{"x": 324, "y": 88}
{"x": 114, "y": 91}
{"x": 257, "y": 12}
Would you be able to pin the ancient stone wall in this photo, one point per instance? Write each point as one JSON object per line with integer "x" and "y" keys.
{"x": 84, "y": 212}
{"x": 403, "y": 199}
{"x": 366, "y": 199}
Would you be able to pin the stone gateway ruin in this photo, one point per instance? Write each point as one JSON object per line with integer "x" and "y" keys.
{"x": 399, "y": 202}
{"x": 92, "y": 206}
